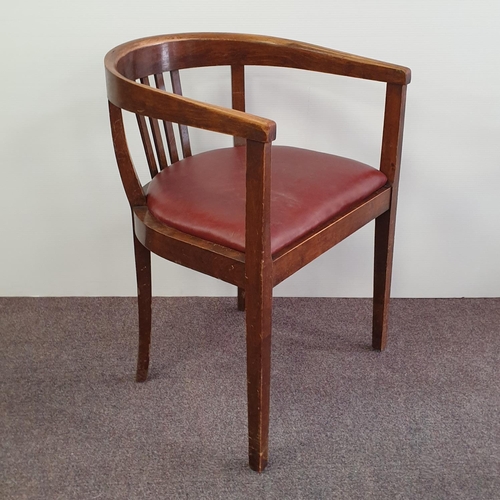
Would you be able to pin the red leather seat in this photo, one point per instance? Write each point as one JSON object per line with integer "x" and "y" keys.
{"x": 204, "y": 195}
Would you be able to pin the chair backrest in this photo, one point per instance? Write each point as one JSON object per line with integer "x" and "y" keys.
{"x": 154, "y": 129}
{"x": 136, "y": 82}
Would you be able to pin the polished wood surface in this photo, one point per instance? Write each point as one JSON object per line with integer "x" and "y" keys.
{"x": 135, "y": 83}
{"x": 258, "y": 286}
{"x": 143, "y": 274}
{"x": 238, "y": 94}
{"x": 392, "y": 141}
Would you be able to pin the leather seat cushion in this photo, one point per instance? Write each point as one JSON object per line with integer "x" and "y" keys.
{"x": 204, "y": 195}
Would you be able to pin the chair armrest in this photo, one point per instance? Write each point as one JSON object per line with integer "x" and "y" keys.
{"x": 188, "y": 50}
{"x": 155, "y": 103}
{"x": 315, "y": 58}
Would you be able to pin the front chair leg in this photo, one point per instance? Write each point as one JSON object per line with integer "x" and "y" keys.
{"x": 384, "y": 243}
{"x": 258, "y": 321}
{"x": 143, "y": 273}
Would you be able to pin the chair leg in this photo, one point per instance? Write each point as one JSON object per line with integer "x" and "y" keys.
{"x": 241, "y": 299}
{"x": 258, "y": 321}
{"x": 384, "y": 243}
{"x": 143, "y": 273}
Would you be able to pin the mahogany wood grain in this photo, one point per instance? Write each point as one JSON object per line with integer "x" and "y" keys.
{"x": 155, "y": 132}
{"x": 168, "y": 127}
{"x": 189, "y": 251}
{"x": 143, "y": 274}
{"x": 302, "y": 252}
{"x": 238, "y": 103}
{"x": 162, "y": 53}
{"x": 183, "y": 130}
{"x": 258, "y": 299}
{"x": 392, "y": 140}
{"x": 148, "y": 147}
{"x": 130, "y": 180}
{"x": 238, "y": 94}
{"x": 254, "y": 271}
{"x": 241, "y": 299}
{"x": 131, "y": 96}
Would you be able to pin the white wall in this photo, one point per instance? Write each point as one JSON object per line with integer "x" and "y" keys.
{"x": 64, "y": 220}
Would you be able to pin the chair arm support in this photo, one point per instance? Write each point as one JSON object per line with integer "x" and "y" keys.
{"x": 155, "y": 103}
{"x": 315, "y": 58}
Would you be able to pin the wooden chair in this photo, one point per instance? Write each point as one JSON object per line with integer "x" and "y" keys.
{"x": 252, "y": 214}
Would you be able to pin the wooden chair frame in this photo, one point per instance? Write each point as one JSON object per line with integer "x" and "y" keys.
{"x": 256, "y": 271}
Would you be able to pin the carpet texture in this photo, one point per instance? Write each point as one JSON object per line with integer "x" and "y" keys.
{"x": 418, "y": 421}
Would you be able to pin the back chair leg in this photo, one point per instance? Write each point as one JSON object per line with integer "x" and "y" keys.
{"x": 143, "y": 273}
{"x": 241, "y": 299}
{"x": 384, "y": 243}
{"x": 258, "y": 321}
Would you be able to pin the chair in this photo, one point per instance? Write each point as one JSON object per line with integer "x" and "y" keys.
{"x": 252, "y": 214}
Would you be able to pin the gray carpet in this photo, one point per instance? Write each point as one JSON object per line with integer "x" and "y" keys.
{"x": 420, "y": 420}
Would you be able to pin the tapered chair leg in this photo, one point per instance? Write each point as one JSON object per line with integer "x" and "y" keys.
{"x": 258, "y": 321}
{"x": 384, "y": 243}
{"x": 143, "y": 273}
{"x": 241, "y": 299}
